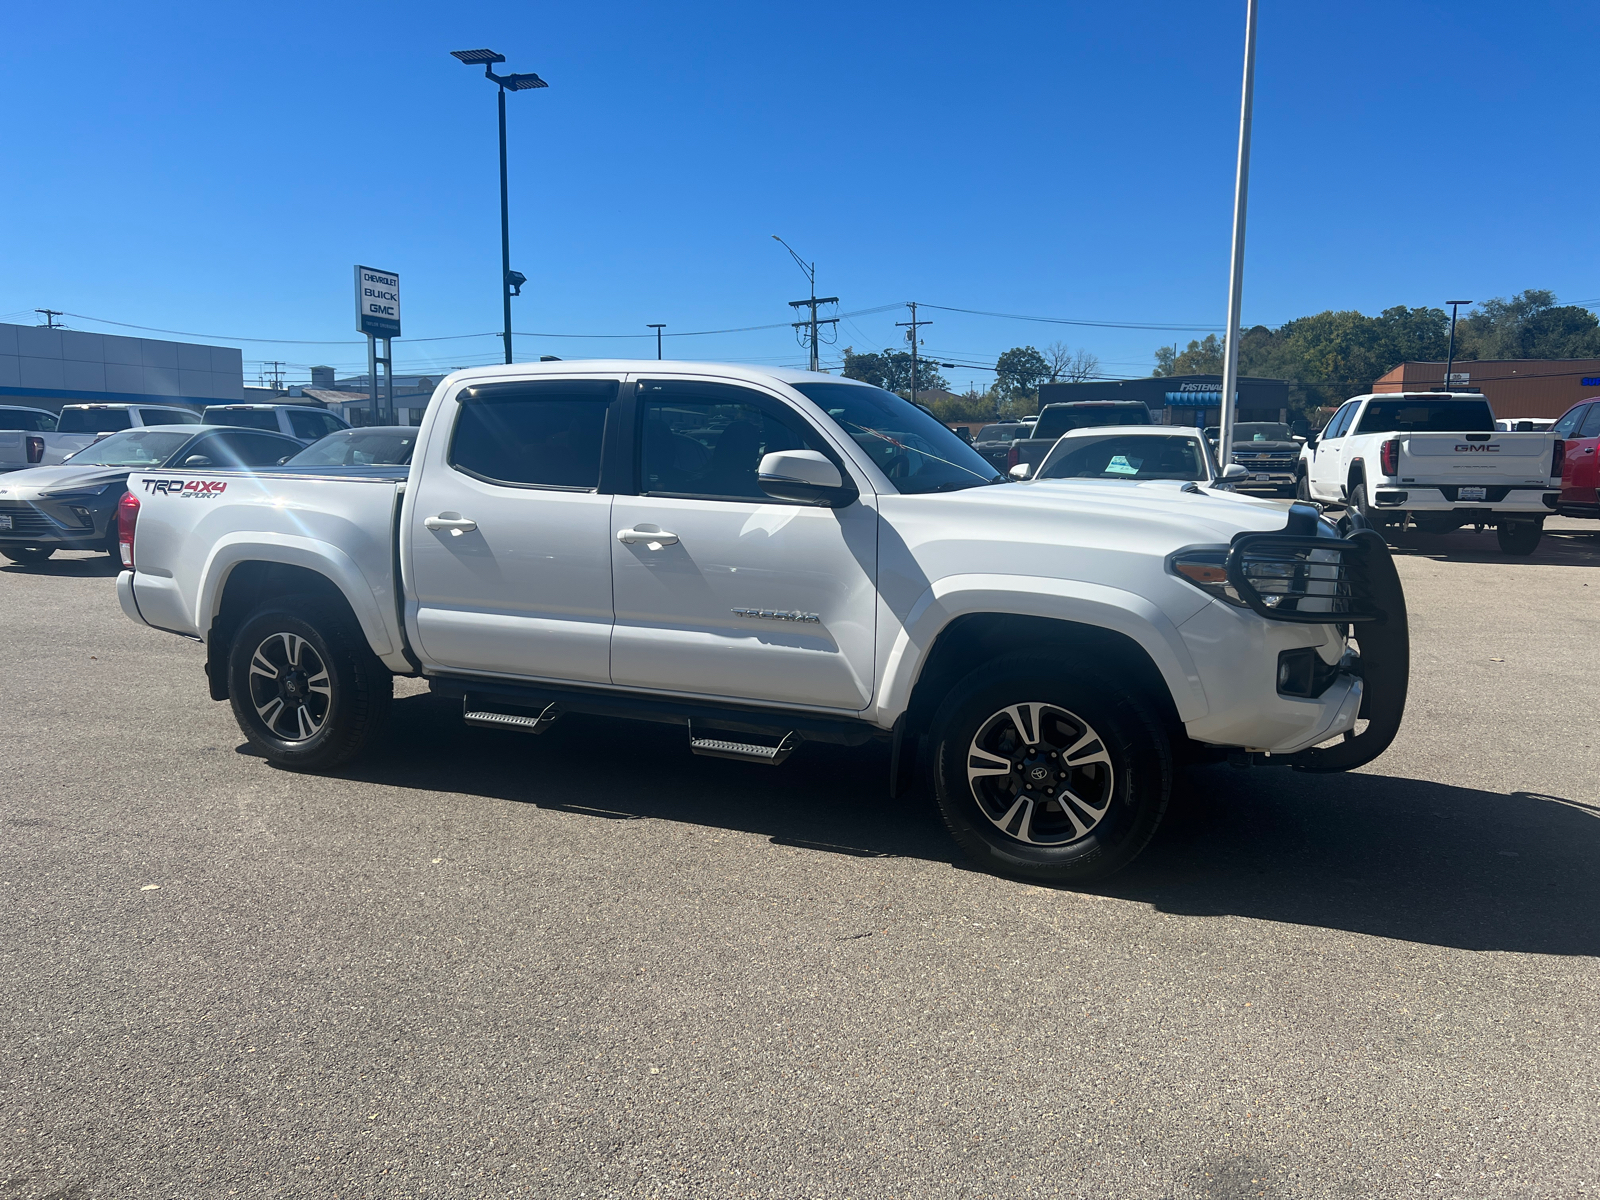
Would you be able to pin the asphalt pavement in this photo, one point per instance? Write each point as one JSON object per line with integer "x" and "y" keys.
{"x": 589, "y": 964}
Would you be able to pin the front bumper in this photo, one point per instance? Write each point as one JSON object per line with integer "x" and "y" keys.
{"x": 1236, "y": 652}
{"x": 1526, "y": 501}
{"x": 64, "y": 525}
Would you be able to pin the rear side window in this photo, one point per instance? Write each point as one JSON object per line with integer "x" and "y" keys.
{"x": 1426, "y": 416}
{"x": 163, "y": 416}
{"x": 243, "y": 418}
{"x": 93, "y": 420}
{"x": 543, "y": 434}
{"x": 24, "y": 419}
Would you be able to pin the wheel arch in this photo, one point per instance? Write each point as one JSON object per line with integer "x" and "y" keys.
{"x": 1357, "y": 475}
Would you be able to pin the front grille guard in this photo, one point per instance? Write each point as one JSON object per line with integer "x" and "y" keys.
{"x": 1348, "y": 580}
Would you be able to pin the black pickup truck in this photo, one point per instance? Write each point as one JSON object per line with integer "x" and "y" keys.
{"x": 1056, "y": 419}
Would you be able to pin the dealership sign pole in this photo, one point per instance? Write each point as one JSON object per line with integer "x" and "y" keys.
{"x": 378, "y": 316}
{"x": 1241, "y": 189}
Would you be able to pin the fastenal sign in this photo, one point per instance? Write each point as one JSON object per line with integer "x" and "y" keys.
{"x": 377, "y": 302}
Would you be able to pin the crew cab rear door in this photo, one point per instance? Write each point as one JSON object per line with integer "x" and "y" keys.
{"x": 509, "y": 565}
{"x": 722, "y": 591}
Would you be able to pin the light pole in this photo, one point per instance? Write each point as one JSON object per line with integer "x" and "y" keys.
{"x": 658, "y": 329}
{"x": 510, "y": 281}
{"x": 811, "y": 277}
{"x": 1450, "y": 359}
{"x": 1241, "y": 191}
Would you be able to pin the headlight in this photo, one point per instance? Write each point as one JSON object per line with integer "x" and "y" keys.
{"x": 77, "y": 493}
{"x": 1207, "y": 568}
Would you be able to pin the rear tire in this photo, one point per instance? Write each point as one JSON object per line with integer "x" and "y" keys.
{"x": 1094, "y": 777}
{"x": 1520, "y": 538}
{"x": 1358, "y": 501}
{"x": 27, "y": 554}
{"x": 305, "y": 688}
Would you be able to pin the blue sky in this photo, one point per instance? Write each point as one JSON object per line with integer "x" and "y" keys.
{"x": 219, "y": 168}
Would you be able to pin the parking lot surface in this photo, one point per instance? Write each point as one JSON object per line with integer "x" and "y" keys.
{"x": 590, "y": 964}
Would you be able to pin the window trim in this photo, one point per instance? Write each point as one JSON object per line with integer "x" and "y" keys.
{"x": 769, "y": 404}
{"x": 463, "y": 396}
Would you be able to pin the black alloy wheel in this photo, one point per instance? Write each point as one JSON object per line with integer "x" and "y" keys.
{"x": 1047, "y": 771}
{"x": 305, "y": 688}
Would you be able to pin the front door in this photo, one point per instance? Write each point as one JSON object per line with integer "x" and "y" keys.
{"x": 1326, "y": 473}
{"x": 509, "y": 535}
{"x": 722, "y": 591}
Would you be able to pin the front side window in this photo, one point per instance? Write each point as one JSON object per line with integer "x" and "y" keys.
{"x": 26, "y": 419}
{"x": 250, "y": 449}
{"x": 93, "y": 420}
{"x": 308, "y": 425}
{"x": 1130, "y": 457}
{"x": 243, "y": 418}
{"x": 1591, "y": 423}
{"x": 540, "y": 434}
{"x": 707, "y": 439}
{"x": 1336, "y": 426}
{"x": 916, "y": 451}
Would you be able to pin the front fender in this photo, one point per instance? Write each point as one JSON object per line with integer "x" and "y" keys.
{"x": 1061, "y": 599}
{"x": 324, "y": 558}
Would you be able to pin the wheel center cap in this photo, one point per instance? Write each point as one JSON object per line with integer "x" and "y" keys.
{"x": 1036, "y": 771}
{"x": 294, "y": 685}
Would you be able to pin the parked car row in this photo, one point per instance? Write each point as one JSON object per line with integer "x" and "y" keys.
{"x": 73, "y": 505}
{"x": 36, "y": 437}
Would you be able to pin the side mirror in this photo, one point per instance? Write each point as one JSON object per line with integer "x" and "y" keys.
{"x": 197, "y": 460}
{"x": 1021, "y": 471}
{"x": 1312, "y": 441}
{"x": 803, "y": 475}
{"x": 1233, "y": 472}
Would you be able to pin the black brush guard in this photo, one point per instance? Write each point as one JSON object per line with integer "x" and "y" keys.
{"x": 1344, "y": 581}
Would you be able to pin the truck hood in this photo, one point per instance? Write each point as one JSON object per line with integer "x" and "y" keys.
{"x": 28, "y": 484}
{"x": 1151, "y": 511}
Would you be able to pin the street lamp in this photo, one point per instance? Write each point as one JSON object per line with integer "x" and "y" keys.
{"x": 1450, "y": 359}
{"x": 510, "y": 281}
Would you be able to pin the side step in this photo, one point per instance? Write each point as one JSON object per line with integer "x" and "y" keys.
{"x": 500, "y": 720}
{"x": 770, "y": 756}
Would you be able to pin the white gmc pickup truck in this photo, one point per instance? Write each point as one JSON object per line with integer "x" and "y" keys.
{"x": 1437, "y": 458}
{"x": 771, "y": 557}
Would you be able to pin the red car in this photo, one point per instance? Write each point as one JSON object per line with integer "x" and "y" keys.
{"x": 1580, "y": 429}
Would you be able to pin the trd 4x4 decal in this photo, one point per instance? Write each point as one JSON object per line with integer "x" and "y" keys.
{"x": 187, "y": 489}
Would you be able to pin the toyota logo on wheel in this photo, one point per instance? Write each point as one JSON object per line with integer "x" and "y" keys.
{"x": 1039, "y": 773}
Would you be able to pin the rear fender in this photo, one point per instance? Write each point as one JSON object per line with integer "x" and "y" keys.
{"x": 324, "y": 558}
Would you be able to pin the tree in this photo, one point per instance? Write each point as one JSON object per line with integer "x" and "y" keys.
{"x": 1068, "y": 365}
{"x": 1201, "y": 358}
{"x": 1529, "y": 325}
{"x": 891, "y": 370}
{"x": 1019, "y": 372}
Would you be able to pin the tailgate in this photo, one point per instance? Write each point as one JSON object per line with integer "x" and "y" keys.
{"x": 1500, "y": 457}
{"x": 195, "y": 526}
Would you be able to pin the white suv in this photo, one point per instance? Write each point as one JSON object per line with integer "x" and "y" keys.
{"x": 296, "y": 420}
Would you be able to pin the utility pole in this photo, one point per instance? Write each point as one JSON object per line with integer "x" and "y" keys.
{"x": 1241, "y": 190}
{"x": 658, "y": 329}
{"x": 811, "y": 276}
{"x": 50, "y": 314}
{"x": 1450, "y": 360}
{"x": 911, "y": 336}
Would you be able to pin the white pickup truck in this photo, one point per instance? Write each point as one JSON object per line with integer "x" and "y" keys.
{"x": 770, "y": 557}
{"x": 1437, "y": 458}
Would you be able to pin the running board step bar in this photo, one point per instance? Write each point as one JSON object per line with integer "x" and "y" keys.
{"x": 500, "y": 720}
{"x": 771, "y": 756}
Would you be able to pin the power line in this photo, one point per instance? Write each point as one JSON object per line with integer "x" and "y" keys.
{"x": 977, "y": 312}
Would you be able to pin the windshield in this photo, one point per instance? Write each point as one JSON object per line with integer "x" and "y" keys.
{"x": 1129, "y": 456}
{"x": 242, "y": 418}
{"x": 915, "y": 450}
{"x": 93, "y": 420}
{"x": 1261, "y": 431}
{"x": 1427, "y": 416}
{"x": 131, "y": 448}
{"x": 358, "y": 447}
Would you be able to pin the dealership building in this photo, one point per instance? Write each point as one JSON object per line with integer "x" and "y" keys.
{"x": 1514, "y": 387}
{"x": 1181, "y": 399}
{"x": 44, "y": 367}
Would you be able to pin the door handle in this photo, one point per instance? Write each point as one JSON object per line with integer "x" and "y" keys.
{"x": 454, "y": 522}
{"x": 653, "y": 538}
{"x": 1590, "y": 450}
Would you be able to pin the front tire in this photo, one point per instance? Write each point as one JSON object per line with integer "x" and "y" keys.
{"x": 1520, "y": 538}
{"x": 305, "y": 688}
{"x": 1049, "y": 772}
{"x": 1302, "y": 487}
{"x": 27, "y": 554}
